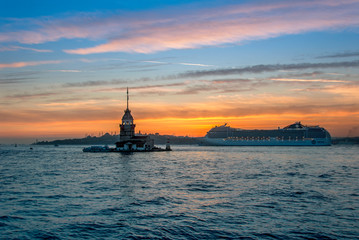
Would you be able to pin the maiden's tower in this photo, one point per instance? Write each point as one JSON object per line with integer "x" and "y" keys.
{"x": 128, "y": 140}
{"x": 127, "y": 127}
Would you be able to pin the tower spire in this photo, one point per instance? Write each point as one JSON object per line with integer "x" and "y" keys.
{"x": 127, "y": 98}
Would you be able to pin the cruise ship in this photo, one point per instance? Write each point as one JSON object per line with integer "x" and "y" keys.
{"x": 295, "y": 134}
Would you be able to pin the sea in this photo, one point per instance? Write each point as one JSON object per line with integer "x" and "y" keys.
{"x": 192, "y": 192}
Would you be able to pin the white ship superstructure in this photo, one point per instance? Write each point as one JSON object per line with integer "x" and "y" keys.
{"x": 293, "y": 135}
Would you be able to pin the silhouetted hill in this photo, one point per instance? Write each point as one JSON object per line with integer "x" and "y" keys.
{"x": 162, "y": 139}
{"x": 345, "y": 140}
{"x": 108, "y": 139}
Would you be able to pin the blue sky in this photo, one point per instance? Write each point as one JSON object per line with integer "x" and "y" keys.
{"x": 189, "y": 65}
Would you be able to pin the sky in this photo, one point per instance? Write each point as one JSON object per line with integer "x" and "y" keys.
{"x": 189, "y": 65}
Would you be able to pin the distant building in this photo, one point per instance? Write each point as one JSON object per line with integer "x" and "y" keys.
{"x": 128, "y": 140}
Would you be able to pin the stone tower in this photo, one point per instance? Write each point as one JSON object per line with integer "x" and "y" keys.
{"x": 127, "y": 127}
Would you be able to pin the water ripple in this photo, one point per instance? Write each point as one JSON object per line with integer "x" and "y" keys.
{"x": 190, "y": 193}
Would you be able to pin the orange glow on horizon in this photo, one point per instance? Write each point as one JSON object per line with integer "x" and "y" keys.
{"x": 192, "y": 127}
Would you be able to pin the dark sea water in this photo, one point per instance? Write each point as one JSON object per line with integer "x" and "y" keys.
{"x": 190, "y": 193}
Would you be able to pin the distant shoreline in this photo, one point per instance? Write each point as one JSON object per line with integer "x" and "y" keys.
{"x": 160, "y": 139}
{"x": 111, "y": 139}
{"x": 345, "y": 140}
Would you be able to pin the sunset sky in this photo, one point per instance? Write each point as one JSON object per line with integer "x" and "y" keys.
{"x": 189, "y": 65}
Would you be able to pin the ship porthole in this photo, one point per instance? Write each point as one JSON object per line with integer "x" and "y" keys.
{"x": 314, "y": 142}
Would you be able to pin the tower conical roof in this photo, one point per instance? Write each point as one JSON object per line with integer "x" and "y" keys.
{"x": 127, "y": 116}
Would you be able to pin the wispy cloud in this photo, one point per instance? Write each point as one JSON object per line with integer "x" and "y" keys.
{"x": 16, "y": 48}
{"x": 308, "y": 80}
{"x": 95, "y": 83}
{"x": 57, "y": 115}
{"x": 152, "y": 89}
{"x": 229, "y": 25}
{"x": 80, "y": 112}
{"x": 26, "y": 64}
{"x": 18, "y": 77}
{"x": 266, "y": 68}
{"x": 66, "y": 71}
{"x": 14, "y": 80}
{"x": 222, "y": 81}
{"x": 341, "y": 55}
{"x": 154, "y": 31}
{"x": 30, "y": 95}
{"x": 235, "y": 110}
{"x": 196, "y": 64}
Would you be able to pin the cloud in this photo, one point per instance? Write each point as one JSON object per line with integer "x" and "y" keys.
{"x": 266, "y": 68}
{"x": 159, "y": 30}
{"x": 30, "y": 95}
{"x": 223, "y": 84}
{"x": 16, "y": 48}
{"x": 66, "y": 71}
{"x": 341, "y": 55}
{"x": 226, "y": 27}
{"x": 58, "y": 115}
{"x": 140, "y": 64}
{"x": 150, "y": 89}
{"x": 196, "y": 64}
{"x": 218, "y": 86}
{"x": 218, "y": 109}
{"x": 26, "y": 64}
{"x": 15, "y": 80}
{"x": 177, "y": 88}
{"x": 308, "y": 80}
{"x": 162, "y": 111}
{"x": 94, "y": 83}
{"x": 18, "y": 77}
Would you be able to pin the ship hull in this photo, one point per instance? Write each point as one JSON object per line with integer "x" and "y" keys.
{"x": 271, "y": 142}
